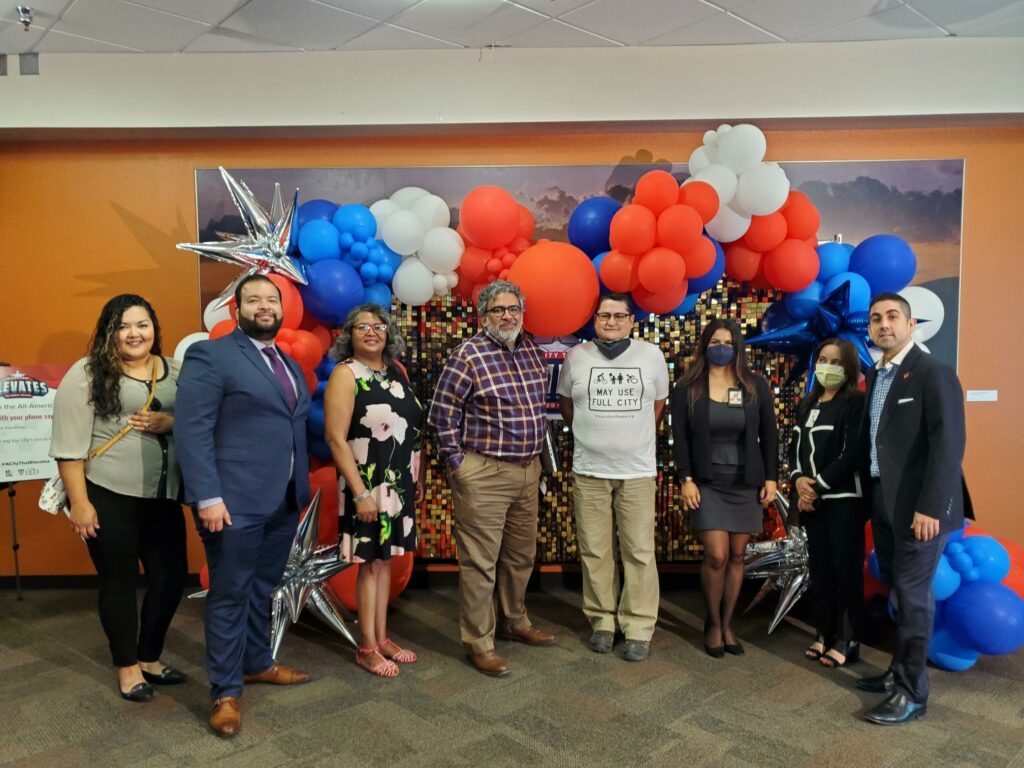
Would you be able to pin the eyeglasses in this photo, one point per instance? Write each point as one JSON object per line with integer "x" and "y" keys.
{"x": 514, "y": 310}
{"x": 618, "y": 317}
{"x": 366, "y": 327}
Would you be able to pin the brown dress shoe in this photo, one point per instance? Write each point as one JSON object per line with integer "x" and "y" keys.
{"x": 279, "y": 674}
{"x": 489, "y": 663}
{"x": 226, "y": 716}
{"x": 528, "y": 635}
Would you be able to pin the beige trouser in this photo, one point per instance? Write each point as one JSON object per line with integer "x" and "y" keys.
{"x": 601, "y": 507}
{"x": 496, "y": 504}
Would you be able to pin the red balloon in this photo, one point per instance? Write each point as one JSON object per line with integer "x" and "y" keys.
{"x": 307, "y": 350}
{"x": 702, "y": 197}
{"x": 661, "y": 269}
{"x": 802, "y": 218}
{"x": 489, "y": 216}
{"x": 343, "y": 585}
{"x": 792, "y": 266}
{"x": 526, "y": 222}
{"x": 204, "y": 576}
{"x": 765, "y": 232}
{"x": 291, "y": 301}
{"x": 494, "y": 266}
{"x": 464, "y": 288}
{"x": 679, "y": 228}
{"x": 759, "y": 282}
{"x": 700, "y": 259}
{"x": 323, "y": 336}
{"x": 325, "y": 480}
{"x": 633, "y": 230}
{"x": 519, "y": 245}
{"x": 661, "y": 302}
{"x": 795, "y": 196}
{"x": 474, "y": 263}
{"x": 311, "y": 381}
{"x": 620, "y": 272}
{"x": 656, "y": 190}
{"x": 741, "y": 263}
{"x": 560, "y": 287}
{"x": 223, "y": 328}
{"x": 508, "y": 259}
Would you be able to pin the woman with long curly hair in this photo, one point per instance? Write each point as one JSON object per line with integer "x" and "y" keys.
{"x": 124, "y": 501}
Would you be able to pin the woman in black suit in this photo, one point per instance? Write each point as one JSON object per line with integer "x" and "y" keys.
{"x": 726, "y": 453}
{"x": 827, "y": 491}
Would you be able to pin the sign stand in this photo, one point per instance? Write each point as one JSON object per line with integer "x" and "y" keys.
{"x": 15, "y": 546}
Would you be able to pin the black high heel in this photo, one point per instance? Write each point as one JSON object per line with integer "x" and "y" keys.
{"x": 813, "y": 653}
{"x": 849, "y": 651}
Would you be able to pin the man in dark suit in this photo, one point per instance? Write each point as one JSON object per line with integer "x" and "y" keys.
{"x": 914, "y": 425}
{"x": 240, "y": 430}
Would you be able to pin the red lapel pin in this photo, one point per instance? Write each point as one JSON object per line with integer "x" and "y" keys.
{"x": 906, "y": 375}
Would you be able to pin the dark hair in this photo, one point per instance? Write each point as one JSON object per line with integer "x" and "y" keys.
{"x": 890, "y": 296}
{"x": 104, "y": 364}
{"x": 695, "y": 378}
{"x": 248, "y": 279}
{"x": 851, "y": 367}
{"x": 623, "y": 298}
{"x": 342, "y": 348}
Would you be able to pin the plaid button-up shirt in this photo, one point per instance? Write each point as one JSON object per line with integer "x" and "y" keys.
{"x": 490, "y": 400}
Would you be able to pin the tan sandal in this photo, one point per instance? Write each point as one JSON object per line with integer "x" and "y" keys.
{"x": 386, "y": 668}
{"x": 401, "y": 655}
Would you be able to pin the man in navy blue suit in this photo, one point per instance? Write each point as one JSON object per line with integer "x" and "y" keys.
{"x": 240, "y": 431}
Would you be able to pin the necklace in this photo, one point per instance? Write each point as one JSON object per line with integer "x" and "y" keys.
{"x": 380, "y": 375}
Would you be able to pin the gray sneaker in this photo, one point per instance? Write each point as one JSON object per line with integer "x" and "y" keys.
{"x": 636, "y": 650}
{"x": 602, "y": 641}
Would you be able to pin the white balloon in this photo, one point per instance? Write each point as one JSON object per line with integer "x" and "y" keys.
{"x": 432, "y": 211}
{"x": 452, "y": 279}
{"x": 721, "y": 178}
{"x": 927, "y": 309}
{"x": 406, "y": 196}
{"x": 440, "y": 283}
{"x": 413, "y": 283}
{"x": 762, "y": 189}
{"x": 213, "y": 316}
{"x": 188, "y": 341}
{"x": 728, "y": 225}
{"x": 442, "y": 249}
{"x": 710, "y": 137}
{"x": 698, "y": 160}
{"x": 381, "y": 210}
{"x": 723, "y": 129}
{"x": 403, "y": 232}
{"x": 742, "y": 147}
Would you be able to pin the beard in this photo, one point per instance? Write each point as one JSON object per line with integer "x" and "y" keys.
{"x": 506, "y": 337}
{"x": 252, "y": 328}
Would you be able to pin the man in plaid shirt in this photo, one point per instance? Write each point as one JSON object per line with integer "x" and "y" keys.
{"x": 489, "y": 416}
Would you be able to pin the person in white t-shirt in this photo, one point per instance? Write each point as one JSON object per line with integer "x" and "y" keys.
{"x": 612, "y": 393}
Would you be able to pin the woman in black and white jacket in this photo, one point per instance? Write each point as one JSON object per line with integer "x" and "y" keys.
{"x": 827, "y": 491}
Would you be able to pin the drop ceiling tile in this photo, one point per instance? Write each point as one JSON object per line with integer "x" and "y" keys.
{"x": 226, "y": 41}
{"x": 553, "y": 8}
{"x": 722, "y": 29}
{"x": 796, "y": 19}
{"x": 390, "y": 38}
{"x": 1011, "y": 28}
{"x": 473, "y": 24}
{"x": 964, "y": 15}
{"x": 58, "y": 42}
{"x": 555, "y": 34}
{"x": 206, "y": 11}
{"x": 127, "y": 25}
{"x": 638, "y": 20}
{"x": 898, "y": 24}
{"x": 14, "y": 39}
{"x": 301, "y": 23}
{"x": 375, "y": 9}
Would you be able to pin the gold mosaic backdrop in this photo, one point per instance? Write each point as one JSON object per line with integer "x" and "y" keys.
{"x": 434, "y": 330}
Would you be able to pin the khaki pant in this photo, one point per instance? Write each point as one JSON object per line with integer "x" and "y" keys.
{"x": 496, "y": 504}
{"x": 602, "y": 506}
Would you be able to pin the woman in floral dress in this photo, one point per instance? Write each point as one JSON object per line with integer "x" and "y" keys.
{"x": 373, "y": 423}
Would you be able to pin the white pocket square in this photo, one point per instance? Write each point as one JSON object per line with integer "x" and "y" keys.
{"x": 903, "y": 400}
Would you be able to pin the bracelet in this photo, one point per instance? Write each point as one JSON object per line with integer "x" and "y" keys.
{"x": 362, "y": 496}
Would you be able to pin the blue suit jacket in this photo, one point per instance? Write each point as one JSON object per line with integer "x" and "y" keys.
{"x": 234, "y": 433}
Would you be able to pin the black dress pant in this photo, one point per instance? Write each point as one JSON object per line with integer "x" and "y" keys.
{"x": 908, "y": 567}
{"x": 835, "y": 546}
{"x": 134, "y": 529}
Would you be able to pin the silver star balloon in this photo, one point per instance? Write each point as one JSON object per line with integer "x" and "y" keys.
{"x": 302, "y": 584}
{"x": 264, "y": 248}
{"x": 782, "y": 563}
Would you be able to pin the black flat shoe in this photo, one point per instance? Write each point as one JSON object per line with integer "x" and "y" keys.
{"x": 734, "y": 649}
{"x": 895, "y": 710}
{"x": 715, "y": 652}
{"x": 140, "y": 692}
{"x": 168, "y": 676}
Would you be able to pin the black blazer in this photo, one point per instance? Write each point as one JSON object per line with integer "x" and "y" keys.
{"x": 836, "y": 449}
{"x": 692, "y": 436}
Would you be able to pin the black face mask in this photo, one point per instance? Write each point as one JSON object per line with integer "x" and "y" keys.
{"x": 612, "y": 349}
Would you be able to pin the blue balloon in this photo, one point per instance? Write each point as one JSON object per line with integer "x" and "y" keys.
{"x": 313, "y": 210}
{"x": 946, "y": 652}
{"x": 315, "y": 419}
{"x": 590, "y": 224}
{"x": 334, "y": 288}
{"x": 385, "y": 273}
{"x": 774, "y": 317}
{"x": 956, "y": 536}
{"x": 346, "y": 241}
{"x": 369, "y": 273}
{"x": 987, "y": 617}
{"x": 325, "y": 368}
{"x": 356, "y": 220}
{"x": 946, "y": 581}
{"x": 687, "y": 305}
{"x": 321, "y": 390}
{"x": 833, "y": 258}
{"x": 318, "y": 240}
{"x": 887, "y": 262}
{"x": 860, "y": 291}
{"x": 359, "y": 250}
{"x": 989, "y": 557}
{"x": 873, "y": 566}
{"x": 601, "y": 287}
{"x": 801, "y": 305}
{"x": 320, "y": 449}
{"x": 392, "y": 259}
{"x": 378, "y": 293}
{"x": 712, "y": 276}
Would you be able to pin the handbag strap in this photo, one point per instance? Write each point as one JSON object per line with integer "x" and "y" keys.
{"x": 128, "y": 427}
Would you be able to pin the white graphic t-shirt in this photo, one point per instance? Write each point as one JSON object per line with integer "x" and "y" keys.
{"x": 613, "y": 408}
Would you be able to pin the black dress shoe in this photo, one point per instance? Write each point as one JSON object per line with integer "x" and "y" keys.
{"x": 895, "y": 710}
{"x": 168, "y": 676}
{"x": 883, "y": 683}
{"x": 139, "y": 692}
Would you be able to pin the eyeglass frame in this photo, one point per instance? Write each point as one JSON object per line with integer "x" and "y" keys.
{"x": 364, "y": 328}
{"x": 513, "y": 310}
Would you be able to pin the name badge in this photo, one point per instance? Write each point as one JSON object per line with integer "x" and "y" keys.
{"x": 736, "y": 397}
{"x": 812, "y": 417}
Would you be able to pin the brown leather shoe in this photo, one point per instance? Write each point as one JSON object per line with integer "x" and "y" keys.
{"x": 226, "y": 716}
{"x": 279, "y": 674}
{"x": 489, "y": 663}
{"x": 528, "y": 635}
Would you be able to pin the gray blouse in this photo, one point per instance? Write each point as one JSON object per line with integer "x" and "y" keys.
{"x": 135, "y": 464}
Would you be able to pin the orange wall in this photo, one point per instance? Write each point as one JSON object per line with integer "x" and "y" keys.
{"x": 82, "y": 221}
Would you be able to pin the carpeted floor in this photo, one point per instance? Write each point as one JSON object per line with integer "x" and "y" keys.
{"x": 563, "y": 706}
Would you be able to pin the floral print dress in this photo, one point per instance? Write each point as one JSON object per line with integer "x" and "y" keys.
{"x": 384, "y": 436}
